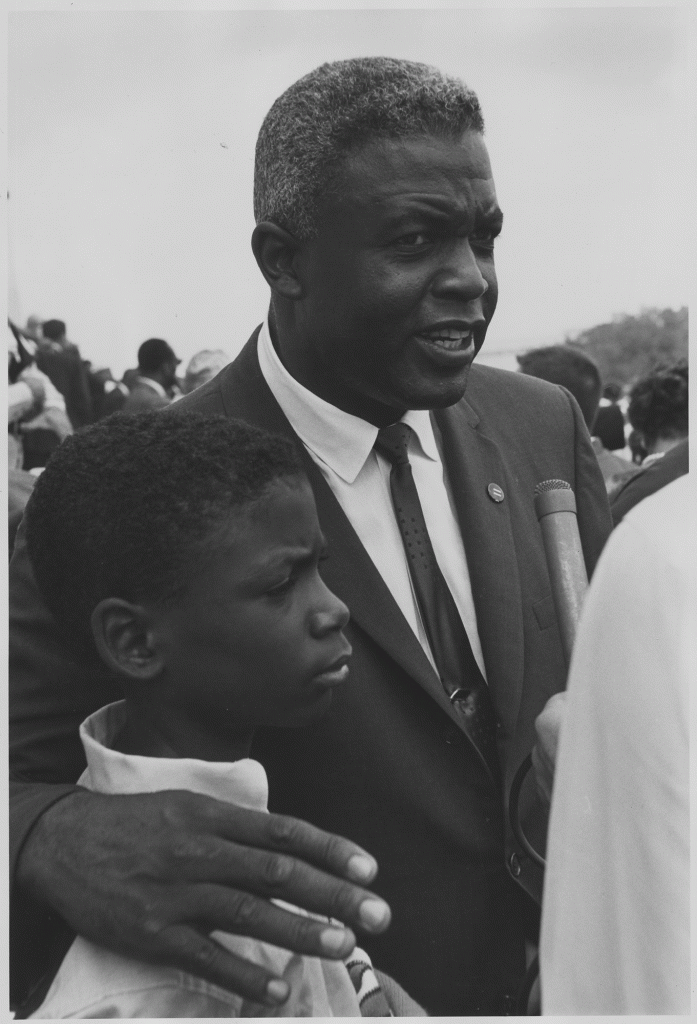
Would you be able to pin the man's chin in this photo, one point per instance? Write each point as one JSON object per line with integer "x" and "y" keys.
{"x": 428, "y": 393}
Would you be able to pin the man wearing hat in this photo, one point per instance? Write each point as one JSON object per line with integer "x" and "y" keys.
{"x": 157, "y": 369}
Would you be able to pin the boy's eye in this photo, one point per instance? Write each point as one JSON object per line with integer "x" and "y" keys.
{"x": 281, "y": 588}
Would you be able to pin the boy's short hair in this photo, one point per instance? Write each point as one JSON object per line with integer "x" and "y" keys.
{"x": 337, "y": 108}
{"x": 125, "y": 508}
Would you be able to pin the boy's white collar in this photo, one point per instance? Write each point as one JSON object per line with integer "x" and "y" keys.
{"x": 109, "y": 771}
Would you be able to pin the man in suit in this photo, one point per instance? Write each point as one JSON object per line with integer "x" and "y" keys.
{"x": 157, "y": 372}
{"x": 376, "y": 236}
{"x": 62, "y": 363}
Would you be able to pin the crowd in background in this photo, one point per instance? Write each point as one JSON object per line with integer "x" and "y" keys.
{"x": 55, "y": 391}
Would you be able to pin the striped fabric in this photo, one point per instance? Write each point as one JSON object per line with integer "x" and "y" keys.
{"x": 371, "y": 998}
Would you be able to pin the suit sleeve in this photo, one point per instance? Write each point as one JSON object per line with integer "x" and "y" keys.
{"x": 50, "y": 693}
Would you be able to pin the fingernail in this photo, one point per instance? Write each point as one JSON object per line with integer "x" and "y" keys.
{"x": 374, "y": 914}
{"x": 333, "y": 940}
{"x": 277, "y": 991}
{"x": 361, "y": 868}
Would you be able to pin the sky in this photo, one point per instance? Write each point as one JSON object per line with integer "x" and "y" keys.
{"x": 131, "y": 152}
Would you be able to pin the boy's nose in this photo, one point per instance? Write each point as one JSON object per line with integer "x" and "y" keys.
{"x": 331, "y": 614}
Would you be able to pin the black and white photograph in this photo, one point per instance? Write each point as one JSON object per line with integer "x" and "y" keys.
{"x": 351, "y": 576}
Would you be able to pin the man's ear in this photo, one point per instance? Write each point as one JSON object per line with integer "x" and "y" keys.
{"x": 125, "y": 640}
{"x": 275, "y": 249}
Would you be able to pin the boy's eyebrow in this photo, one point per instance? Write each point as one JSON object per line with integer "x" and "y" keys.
{"x": 278, "y": 559}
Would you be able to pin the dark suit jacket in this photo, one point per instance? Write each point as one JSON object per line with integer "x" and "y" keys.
{"x": 647, "y": 481}
{"x": 388, "y": 765}
{"x": 68, "y": 373}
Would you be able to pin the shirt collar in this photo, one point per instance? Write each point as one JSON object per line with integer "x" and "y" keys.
{"x": 241, "y": 782}
{"x": 340, "y": 440}
{"x": 154, "y": 384}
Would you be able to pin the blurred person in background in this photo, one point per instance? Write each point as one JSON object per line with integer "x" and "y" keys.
{"x": 157, "y": 374}
{"x": 609, "y": 419}
{"x": 108, "y": 395}
{"x": 658, "y": 409}
{"x": 62, "y": 363}
{"x": 203, "y": 367}
{"x": 579, "y": 374}
{"x": 36, "y": 422}
{"x": 33, "y": 331}
{"x": 658, "y": 413}
{"x": 37, "y": 419}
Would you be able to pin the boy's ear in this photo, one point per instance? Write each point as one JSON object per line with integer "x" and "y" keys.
{"x": 274, "y": 250}
{"x": 124, "y": 639}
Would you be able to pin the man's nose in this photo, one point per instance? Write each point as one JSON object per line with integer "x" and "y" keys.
{"x": 460, "y": 275}
{"x": 330, "y": 614}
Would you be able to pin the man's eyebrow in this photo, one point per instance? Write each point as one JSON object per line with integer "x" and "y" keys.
{"x": 437, "y": 207}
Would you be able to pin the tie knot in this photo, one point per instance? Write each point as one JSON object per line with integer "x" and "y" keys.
{"x": 393, "y": 443}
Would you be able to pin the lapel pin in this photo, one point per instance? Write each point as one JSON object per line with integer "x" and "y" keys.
{"x": 495, "y": 492}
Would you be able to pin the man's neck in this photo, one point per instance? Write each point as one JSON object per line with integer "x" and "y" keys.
{"x": 153, "y": 729}
{"x": 321, "y": 381}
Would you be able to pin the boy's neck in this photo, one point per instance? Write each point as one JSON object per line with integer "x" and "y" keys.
{"x": 155, "y": 731}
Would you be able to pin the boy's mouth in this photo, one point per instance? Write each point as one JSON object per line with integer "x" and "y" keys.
{"x": 334, "y": 674}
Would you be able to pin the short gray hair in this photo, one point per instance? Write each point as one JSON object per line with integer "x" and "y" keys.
{"x": 325, "y": 115}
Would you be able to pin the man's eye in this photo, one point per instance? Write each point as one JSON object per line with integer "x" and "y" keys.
{"x": 413, "y": 239}
{"x": 483, "y": 239}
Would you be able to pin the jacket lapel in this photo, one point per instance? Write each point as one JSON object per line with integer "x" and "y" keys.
{"x": 473, "y": 461}
{"x": 349, "y": 571}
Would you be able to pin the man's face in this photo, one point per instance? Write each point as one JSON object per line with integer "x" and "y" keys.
{"x": 257, "y": 637}
{"x": 169, "y": 373}
{"x": 399, "y": 285}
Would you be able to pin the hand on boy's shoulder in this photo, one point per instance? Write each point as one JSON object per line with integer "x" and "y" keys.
{"x": 209, "y": 861}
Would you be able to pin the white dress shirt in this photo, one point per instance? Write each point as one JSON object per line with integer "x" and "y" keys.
{"x": 95, "y": 982}
{"x": 616, "y": 909}
{"x": 154, "y": 384}
{"x": 342, "y": 447}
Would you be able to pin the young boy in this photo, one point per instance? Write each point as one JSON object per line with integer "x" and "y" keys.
{"x": 184, "y": 552}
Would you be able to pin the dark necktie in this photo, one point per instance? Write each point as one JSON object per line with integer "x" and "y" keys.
{"x": 457, "y": 667}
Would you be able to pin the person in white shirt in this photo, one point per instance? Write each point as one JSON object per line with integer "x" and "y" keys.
{"x": 156, "y": 377}
{"x": 616, "y": 909}
{"x": 225, "y": 629}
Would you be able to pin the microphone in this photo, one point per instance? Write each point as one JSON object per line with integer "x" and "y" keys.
{"x": 555, "y": 506}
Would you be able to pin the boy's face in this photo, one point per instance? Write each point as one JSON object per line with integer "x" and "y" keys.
{"x": 257, "y": 638}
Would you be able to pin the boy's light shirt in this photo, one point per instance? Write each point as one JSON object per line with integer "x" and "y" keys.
{"x": 342, "y": 447}
{"x": 94, "y": 982}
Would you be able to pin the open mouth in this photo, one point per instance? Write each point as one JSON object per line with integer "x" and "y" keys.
{"x": 448, "y": 339}
{"x": 335, "y": 673}
{"x": 451, "y": 347}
